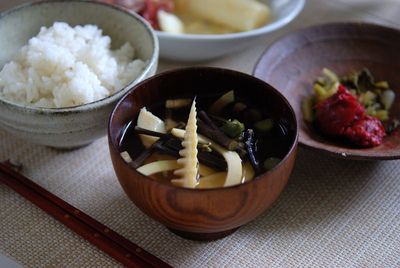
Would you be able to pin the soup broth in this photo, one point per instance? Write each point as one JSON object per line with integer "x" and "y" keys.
{"x": 273, "y": 136}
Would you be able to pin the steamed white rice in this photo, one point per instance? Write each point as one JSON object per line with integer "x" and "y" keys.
{"x": 64, "y": 66}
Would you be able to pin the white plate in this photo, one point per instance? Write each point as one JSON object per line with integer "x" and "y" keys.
{"x": 196, "y": 47}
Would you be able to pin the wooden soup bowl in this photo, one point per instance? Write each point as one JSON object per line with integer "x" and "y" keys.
{"x": 292, "y": 64}
{"x": 192, "y": 213}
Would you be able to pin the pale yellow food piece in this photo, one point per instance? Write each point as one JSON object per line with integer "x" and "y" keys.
{"x": 149, "y": 121}
{"x": 233, "y": 162}
{"x": 127, "y": 158}
{"x": 215, "y": 180}
{"x": 177, "y": 103}
{"x": 158, "y": 166}
{"x": 180, "y": 133}
{"x": 248, "y": 172}
{"x": 224, "y": 100}
{"x": 232, "y": 159}
{"x": 189, "y": 163}
{"x": 169, "y": 22}
{"x": 241, "y": 15}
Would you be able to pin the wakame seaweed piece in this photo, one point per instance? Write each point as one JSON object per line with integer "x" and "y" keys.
{"x": 207, "y": 158}
{"x": 206, "y": 119}
{"x": 215, "y": 134}
{"x": 250, "y": 145}
{"x": 140, "y": 130}
{"x": 139, "y": 160}
{"x": 364, "y": 81}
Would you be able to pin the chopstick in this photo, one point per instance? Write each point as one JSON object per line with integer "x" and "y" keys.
{"x": 115, "y": 245}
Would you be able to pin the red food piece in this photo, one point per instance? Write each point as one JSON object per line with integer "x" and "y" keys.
{"x": 133, "y": 5}
{"x": 366, "y": 132}
{"x": 343, "y": 116}
{"x": 338, "y": 112}
{"x": 152, "y": 8}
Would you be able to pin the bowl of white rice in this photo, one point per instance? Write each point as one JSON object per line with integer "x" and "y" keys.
{"x": 64, "y": 65}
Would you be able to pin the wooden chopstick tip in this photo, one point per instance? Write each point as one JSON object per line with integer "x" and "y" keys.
{"x": 14, "y": 164}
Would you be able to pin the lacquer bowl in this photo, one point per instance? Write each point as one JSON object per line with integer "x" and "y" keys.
{"x": 210, "y": 213}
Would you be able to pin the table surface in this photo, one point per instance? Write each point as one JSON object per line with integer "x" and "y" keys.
{"x": 333, "y": 213}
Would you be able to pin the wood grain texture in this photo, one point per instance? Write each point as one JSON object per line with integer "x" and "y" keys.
{"x": 292, "y": 63}
{"x": 201, "y": 214}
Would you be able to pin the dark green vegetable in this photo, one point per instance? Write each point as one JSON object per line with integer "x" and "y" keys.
{"x": 232, "y": 128}
{"x": 264, "y": 126}
{"x": 138, "y": 161}
{"x": 250, "y": 116}
{"x": 364, "y": 81}
{"x": 271, "y": 162}
{"x": 207, "y": 127}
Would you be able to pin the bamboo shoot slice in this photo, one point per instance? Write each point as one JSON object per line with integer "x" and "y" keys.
{"x": 217, "y": 180}
{"x": 158, "y": 166}
{"x": 189, "y": 170}
{"x": 149, "y": 121}
{"x": 233, "y": 160}
{"x": 180, "y": 133}
{"x": 127, "y": 158}
{"x": 224, "y": 100}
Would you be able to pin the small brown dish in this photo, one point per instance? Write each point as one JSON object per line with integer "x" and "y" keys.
{"x": 201, "y": 214}
{"x": 294, "y": 62}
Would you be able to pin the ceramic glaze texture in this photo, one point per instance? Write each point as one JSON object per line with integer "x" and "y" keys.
{"x": 75, "y": 126}
{"x": 293, "y": 63}
{"x": 192, "y": 213}
{"x": 196, "y": 47}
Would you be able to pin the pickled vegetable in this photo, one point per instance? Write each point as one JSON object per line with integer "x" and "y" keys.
{"x": 351, "y": 107}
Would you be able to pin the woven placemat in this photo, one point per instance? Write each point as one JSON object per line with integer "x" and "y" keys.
{"x": 333, "y": 213}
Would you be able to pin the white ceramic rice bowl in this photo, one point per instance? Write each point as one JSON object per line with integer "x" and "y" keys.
{"x": 80, "y": 125}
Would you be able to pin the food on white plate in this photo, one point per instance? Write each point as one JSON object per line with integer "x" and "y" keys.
{"x": 212, "y": 143}
{"x": 169, "y": 22}
{"x": 66, "y": 66}
{"x": 238, "y": 15}
{"x": 201, "y": 17}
